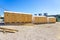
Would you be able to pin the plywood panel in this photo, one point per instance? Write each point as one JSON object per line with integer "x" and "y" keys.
{"x": 6, "y": 17}
{"x": 23, "y": 18}
{"x": 15, "y": 17}
{"x": 30, "y": 18}
{"x": 35, "y": 19}
{"x": 40, "y": 19}
{"x": 26, "y": 18}
{"x": 51, "y": 20}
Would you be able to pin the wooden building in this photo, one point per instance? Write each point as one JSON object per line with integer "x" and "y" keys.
{"x": 40, "y": 19}
{"x": 17, "y": 17}
{"x": 51, "y": 19}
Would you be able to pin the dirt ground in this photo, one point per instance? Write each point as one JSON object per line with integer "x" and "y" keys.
{"x": 33, "y": 32}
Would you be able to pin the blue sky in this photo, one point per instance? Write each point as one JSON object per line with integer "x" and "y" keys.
{"x": 31, "y": 6}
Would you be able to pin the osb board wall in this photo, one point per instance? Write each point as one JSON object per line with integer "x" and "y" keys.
{"x": 40, "y": 19}
{"x": 14, "y": 17}
{"x": 51, "y": 20}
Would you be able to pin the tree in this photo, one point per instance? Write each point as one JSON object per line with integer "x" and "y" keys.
{"x": 35, "y": 14}
{"x": 39, "y": 14}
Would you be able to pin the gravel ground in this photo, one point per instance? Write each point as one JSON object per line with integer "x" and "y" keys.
{"x": 34, "y": 32}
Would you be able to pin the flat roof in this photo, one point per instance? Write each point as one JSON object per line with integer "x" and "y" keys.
{"x": 39, "y": 16}
{"x": 50, "y": 17}
{"x": 17, "y": 12}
